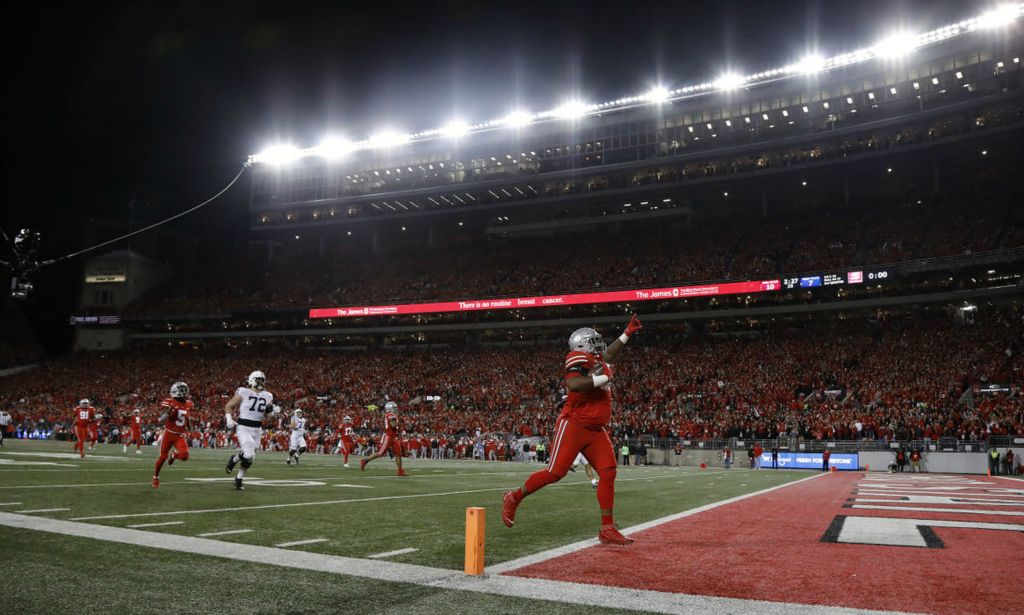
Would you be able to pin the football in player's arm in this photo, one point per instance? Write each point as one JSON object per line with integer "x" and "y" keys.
{"x": 581, "y": 427}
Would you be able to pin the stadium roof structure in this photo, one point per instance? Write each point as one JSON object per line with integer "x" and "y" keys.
{"x": 893, "y": 46}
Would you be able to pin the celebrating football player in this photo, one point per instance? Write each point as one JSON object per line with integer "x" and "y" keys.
{"x": 581, "y": 426}
{"x": 346, "y": 438}
{"x": 253, "y": 403}
{"x": 176, "y": 427}
{"x": 390, "y": 440}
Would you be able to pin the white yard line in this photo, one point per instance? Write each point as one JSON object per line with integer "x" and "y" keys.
{"x": 955, "y": 511}
{"x": 590, "y": 542}
{"x": 392, "y": 553}
{"x": 223, "y": 533}
{"x": 156, "y": 524}
{"x": 355, "y": 486}
{"x": 41, "y": 510}
{"x": 10, "y": 503}
{"x": 347, "y": 501}
{"x": 300, "y": 542}
{"x": 536, "y": 589}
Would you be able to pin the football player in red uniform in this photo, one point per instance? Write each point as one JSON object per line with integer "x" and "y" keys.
{"x": 347, "y": 439}
{"x": 85, "y": 414}
{"x": 176, "y": 428}
{"x": 581, "y": 426}
{"x": 135, "y": 426}
{"x": 390, "y": 440}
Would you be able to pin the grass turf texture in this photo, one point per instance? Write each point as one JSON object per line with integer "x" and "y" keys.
{"x": 416, "y": 516}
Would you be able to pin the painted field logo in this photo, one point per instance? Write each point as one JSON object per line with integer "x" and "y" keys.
{"x": 893, "y": 506}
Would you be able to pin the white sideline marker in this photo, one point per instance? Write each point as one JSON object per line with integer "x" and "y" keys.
{"x": 156, "y": 524}
{"x": 40, "y": 510}
{"x": 301, "y": 542}
{"x": 392, "y": 553}
{"x": 223, "y": 533}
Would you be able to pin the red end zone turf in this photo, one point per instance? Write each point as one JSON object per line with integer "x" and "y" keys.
{"x": 811, "y": 543}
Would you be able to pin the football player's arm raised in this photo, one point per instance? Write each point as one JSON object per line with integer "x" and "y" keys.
{"x": 613, "y": 351}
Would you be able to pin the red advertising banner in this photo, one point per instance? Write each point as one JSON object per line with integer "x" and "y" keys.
{"x": 515, "y": 303}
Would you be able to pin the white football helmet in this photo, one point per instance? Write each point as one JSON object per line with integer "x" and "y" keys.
{"x": 587, "y": 340}
{"x": 298, "y": 412}
{"x": 391, "y": 407}
{"x": 136, "y": 412}
{"x": 84, "y": 403}
{"x": 347, "y": 419}
{"x": 257, "y": 380}
{"x": 179, "y": 390}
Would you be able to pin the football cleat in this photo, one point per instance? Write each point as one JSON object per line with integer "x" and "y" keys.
{"x": 156, "y": 482}
{"x": 238, "y": 484}
{"x": 362, "y": 464}
{"x": 508, "y": 508}
{"x": 593, "y": 483}
{"x": 138, "y": 451}
{"x": 610, "y": 535}
{"x": 125, "y": 449}
{"x": 345, "y": 466}
{"x": 170, "y": 460}
{"x": 289, "y": 461}
{"x": 231, "y": 465}
{"x": 401, "y": 472}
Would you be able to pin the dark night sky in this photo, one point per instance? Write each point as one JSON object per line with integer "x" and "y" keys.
{"x": 162, "y": 101}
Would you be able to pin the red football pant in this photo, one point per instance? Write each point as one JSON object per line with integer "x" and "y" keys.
{"x": 93, "y": 433}
{"x": 168, "y": 440}
{"x": 570, "y": 440}
{"x": 346, "y": 448}
{"x": 80, "y": 435}
{"x": 136, "y": 438}
{"x": 390, "y": 443}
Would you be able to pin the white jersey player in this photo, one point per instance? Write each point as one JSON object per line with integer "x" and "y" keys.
{"x": 297, "y": 443}
{"x": 254, "y": 403}
{"x": 581, "y": 460}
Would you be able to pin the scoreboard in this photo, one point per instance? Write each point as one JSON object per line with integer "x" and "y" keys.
{"x": 834, "y": 278}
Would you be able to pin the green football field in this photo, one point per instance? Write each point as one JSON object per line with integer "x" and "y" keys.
{"x": 317, "y": 507}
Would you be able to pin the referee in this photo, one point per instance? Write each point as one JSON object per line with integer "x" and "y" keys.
{"x": 5, "y": 420}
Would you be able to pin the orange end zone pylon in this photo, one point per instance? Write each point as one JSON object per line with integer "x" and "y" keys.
{"x": 476, "y": 523}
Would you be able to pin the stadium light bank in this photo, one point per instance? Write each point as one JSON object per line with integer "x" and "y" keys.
{"x": 893, "y": 46}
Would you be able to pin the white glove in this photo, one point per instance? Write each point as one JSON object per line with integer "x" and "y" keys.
{"x": 230, "y": 421}
{"x": 276, "y": 410}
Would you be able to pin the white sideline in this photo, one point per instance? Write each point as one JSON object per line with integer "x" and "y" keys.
{"x": 41, "y": 510}
{"x": 536, "y": 589}
{"x": 590, "y": 542}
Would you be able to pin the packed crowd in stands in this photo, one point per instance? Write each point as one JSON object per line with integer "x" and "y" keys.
{"x": 726, "y": 243}
{"x": 896, "y": 378}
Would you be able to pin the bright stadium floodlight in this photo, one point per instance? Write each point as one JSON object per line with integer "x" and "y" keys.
{"x": 518, "y": 119}
{"x": 278, "y": 155}
{"x": 334, "y": 148}
{"x": 571, "y": 110}
{"x": 729, "y": 82}
{"x": 1000, "y": 16}
{"x": 388, "y": 138}
{"x": 658, "y": 95}
{"x": 455, "y": 129}
{"x": 895, "y": 46}
{"x": 810, "y": 64}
